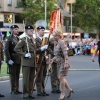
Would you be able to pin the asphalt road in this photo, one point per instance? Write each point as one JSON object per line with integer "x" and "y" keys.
{"x": 83, "y": 78}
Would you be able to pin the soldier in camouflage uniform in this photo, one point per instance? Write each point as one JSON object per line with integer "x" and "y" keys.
{"x": 42, "y": 61}
{"x": 55, "y": 84}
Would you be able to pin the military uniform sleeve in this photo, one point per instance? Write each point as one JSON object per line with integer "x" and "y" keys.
{"x": 38, "y": 50}
{"x": 38, "y": 46}
{"x": 50, "y": 49}
{"x": 19, "y": 46}
{"x": 6, "y": 50}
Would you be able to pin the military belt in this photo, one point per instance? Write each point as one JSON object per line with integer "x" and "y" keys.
{"x": 13, "y": 52}
{"x": 29, "y": 52}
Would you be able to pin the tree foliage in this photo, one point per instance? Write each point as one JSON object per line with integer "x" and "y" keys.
{"x": 87, "y": 14}
{"x": 35, "y": 10}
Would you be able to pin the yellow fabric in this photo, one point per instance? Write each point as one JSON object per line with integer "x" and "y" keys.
{"x": 93, "y": 50}
{"x": 43, "y": 42}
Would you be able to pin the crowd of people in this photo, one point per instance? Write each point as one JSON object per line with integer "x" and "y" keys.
{"x": 81, "y": 46}
{"x": 32, "y": 54}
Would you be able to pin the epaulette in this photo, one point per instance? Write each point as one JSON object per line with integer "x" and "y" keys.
{"x": 8, "y": 38}
{"x": 22, "y": 38}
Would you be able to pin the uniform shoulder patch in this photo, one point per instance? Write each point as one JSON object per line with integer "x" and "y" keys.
{"x": 6, "y": 40}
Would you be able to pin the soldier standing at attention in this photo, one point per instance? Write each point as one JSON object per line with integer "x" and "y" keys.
{"x": 26, "y": 47}
{"x": 55, "y": 84}
{"x": 13, "y": 60}
{"x": 41, "y": 44}
{"x": 1, "y": 59}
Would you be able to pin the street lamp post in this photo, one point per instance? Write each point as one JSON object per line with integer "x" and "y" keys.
{"x": 71, "y": 18}
{"x": 45, "y": 10}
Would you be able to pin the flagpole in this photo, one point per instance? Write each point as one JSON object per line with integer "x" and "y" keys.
{"x": 71, "y": 20}
{"x": 45, "y": 10}
{"x": 24, "y": 25}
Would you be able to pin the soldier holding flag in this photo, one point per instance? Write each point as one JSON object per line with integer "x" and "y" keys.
{"x": 41, "y": 44}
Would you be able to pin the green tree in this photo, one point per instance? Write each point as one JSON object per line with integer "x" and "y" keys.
{"x": 87, "y": 14}
{"x": 35, "y": 10}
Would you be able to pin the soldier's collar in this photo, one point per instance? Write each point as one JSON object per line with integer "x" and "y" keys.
{"x": 28, "y": 36}
{"x": 14, "y": 35}
{"x": 39, "y": 37}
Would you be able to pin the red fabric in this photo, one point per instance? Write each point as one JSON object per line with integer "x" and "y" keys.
{"x": 53, "y": 18}
{"x": 85, "y": 51}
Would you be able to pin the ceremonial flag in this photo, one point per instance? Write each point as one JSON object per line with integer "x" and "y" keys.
{"x": 55, "y": 20}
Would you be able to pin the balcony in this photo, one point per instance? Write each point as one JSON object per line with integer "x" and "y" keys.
{"x": 10, "y": 7}
{"x": 18, "y": 10}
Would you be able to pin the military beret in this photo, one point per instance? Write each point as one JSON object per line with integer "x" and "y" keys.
{"x": 40, "y": 27}
{"x": 13, "y": 26}
{"x": 29, "y": 27}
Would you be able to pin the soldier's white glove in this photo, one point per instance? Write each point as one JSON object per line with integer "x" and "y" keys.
{"x": 28, "y": 55}
{"x": 44, "y": 47}
{"x": 10, "y": 62}
{"x": 2, "y": 62}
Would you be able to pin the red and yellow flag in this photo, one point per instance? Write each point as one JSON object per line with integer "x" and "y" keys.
{"x": 55, "y": 20}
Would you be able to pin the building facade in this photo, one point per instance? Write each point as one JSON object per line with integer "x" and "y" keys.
{"x": 9, "y": 15}
{"x": 65, "y": 8}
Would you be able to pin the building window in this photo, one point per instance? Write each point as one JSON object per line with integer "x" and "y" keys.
{"x": 18, "y": 19}
{"x": 8, "y": 18}
{"x": 9, "y": 2}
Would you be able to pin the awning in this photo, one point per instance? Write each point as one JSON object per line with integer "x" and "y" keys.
{"x": 72, "y": 34}
{"x": 77, "y": 34}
